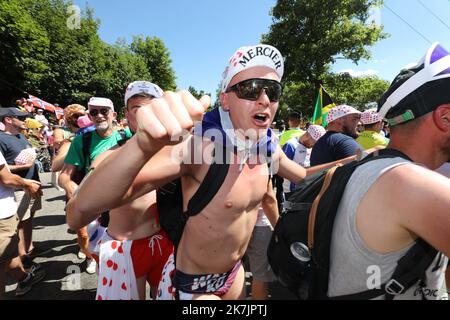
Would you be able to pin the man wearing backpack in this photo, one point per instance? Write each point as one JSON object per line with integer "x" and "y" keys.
{"x": 390, "y": 204}
{"x": 101, "y": 112}
{"x": 215, "y": 238}
{"x": 142, "y": 247}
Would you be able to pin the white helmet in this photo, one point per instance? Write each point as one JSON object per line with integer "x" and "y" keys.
{"x": 419, "y": 89}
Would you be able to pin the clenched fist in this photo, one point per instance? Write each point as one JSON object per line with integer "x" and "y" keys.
{"x": 164, "y": 120}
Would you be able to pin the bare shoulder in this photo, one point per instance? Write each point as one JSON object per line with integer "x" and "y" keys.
{"x": 277, "y": 158}
{"x": 412, "y": 185}
{"x": 415, "y": 178}
{"x": 420, "y": 201}
{"x": 278, "y": 153}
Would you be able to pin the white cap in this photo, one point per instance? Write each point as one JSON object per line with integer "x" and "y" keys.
{"x": 260, "y": 55}
{"x": 340, "y": 111}
{"x": 316, "y": 131}
{"x": 370, "y": 116}
{"x": 100, "y": 102}
{"x": 142, "y": 87}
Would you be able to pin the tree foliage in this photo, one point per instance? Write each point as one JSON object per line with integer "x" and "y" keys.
{"x": 312, "y": 34}
{"x": 342, "y": 88}
{"x": 157, "y": 59}
{"x": 23, "y": 45}
{"x": 198, "y": 94}
{"x": 41, "y": 55}
{"x": 358, "y": 92}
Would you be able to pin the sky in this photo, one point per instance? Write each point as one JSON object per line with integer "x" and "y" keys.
{"x": 201, "y": 35}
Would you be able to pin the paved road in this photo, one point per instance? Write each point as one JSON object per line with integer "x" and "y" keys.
{"x": 50, "y": 230}
{"x": 66, "y": 279}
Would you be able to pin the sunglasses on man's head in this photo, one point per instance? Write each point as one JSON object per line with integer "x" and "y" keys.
{"x": 20, "y": 118}
{"x": 251, "y": 89}
{"x": 95, "y": 112}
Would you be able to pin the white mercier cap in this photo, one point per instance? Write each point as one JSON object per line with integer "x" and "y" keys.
{"x": 260, "y": 55}
{"x": 138, "y": 87}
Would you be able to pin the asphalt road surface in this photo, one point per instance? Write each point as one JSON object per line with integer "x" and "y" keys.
{"x": 66, "y": 278}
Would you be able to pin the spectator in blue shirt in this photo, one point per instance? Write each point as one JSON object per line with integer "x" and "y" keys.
{"x": 339, "y": 141}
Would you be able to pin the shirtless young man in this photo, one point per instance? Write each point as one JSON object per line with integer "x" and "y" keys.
{"x": 133, "y": 227}
{"x": 213, "y": 242}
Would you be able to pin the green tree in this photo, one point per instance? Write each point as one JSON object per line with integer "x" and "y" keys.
{"x": 157, "y": 59}
{"x": 197, "y": 94}
{"x": 24, "y": 46}
{"x": 75, "y": 53}
{"x": 296, "y": 97}
{"x": 358, "y": 92}
{"x": 312, "y": 34}
{"x": 119, "y": 66}
{"x": 42, "y": 54}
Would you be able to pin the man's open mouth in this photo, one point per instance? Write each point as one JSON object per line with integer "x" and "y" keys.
{"x": 260, "y": 117}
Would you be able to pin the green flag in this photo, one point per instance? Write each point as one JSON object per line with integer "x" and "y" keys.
{"x": 323, "y": 105}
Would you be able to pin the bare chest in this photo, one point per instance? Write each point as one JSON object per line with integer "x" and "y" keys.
{"x": 243, "y": 189}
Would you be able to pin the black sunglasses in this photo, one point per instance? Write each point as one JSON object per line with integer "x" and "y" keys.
{"x": 95, "y": 112}
{"x": 251, "y": 89}
{"x": 20, "y": 118}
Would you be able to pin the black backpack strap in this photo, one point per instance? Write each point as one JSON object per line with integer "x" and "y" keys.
{"x": 122, "y": 134}
{"x": 209, "y": 187}
{"x": 410, "y": 269}
{"x": 86, "y": 146}
{"x": 122, "y": 141}
{"x": 390, "y": 153}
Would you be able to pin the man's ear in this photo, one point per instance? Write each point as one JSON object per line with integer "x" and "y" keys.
{"x": 224, "y": 101}
{"x": 114, "y": 115}
{"x": 7, "y": 120}
{"x": 441, "y": 117}
{"x": 339, "y": 123}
